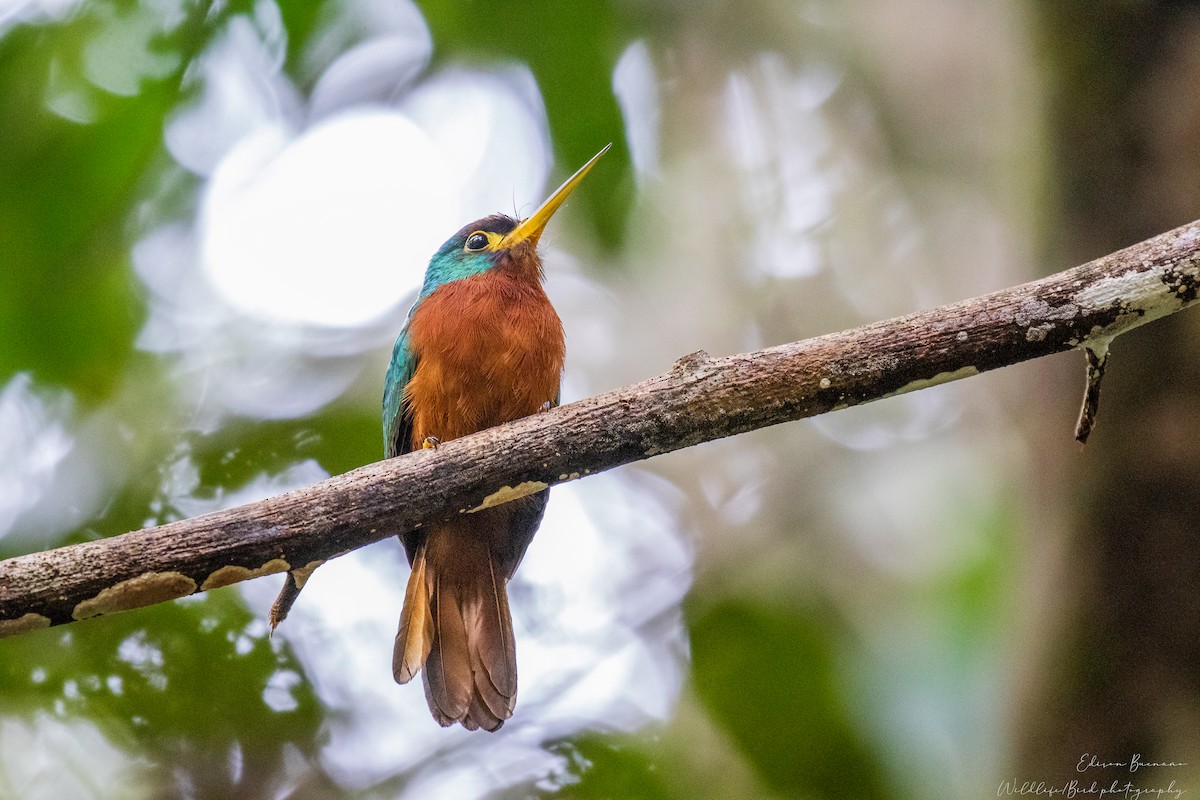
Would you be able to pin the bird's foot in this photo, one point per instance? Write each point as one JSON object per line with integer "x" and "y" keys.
{"x": 430, "y": 443}
{"x": 546, "y": 406}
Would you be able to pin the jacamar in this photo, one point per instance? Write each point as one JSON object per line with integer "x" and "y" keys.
{"x": 482, "y": 346}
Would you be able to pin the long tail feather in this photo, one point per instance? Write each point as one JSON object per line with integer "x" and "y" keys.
{"x": 493, "y": 648}
{"x": 480, "y": 716}
{"x": 448, "y": 670}
{"x": 456, "y": 624}
{"x": 415, "y": 637}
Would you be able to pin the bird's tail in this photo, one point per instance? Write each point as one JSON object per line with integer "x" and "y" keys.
{"x": 456, "y": 624}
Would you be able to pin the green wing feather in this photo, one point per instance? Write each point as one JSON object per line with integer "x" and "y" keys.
{"x": 397, "y": 418}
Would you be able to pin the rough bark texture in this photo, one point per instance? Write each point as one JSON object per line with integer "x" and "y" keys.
{"x": 699, "y": 399}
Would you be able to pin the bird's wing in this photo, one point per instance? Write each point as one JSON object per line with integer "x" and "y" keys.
{"x": 397, "y": 416}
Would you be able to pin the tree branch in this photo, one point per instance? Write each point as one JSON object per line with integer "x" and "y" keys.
{"x": 698, "y": 400}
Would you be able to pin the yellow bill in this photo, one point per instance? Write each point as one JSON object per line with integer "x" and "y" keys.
{"x": 531, "y": 228}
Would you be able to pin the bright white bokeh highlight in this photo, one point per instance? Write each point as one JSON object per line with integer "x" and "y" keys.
{"x": 491, "y": 126}
{"x": 786, "y": 190}
{"x": 33, "y": 442}
{"x": 635, "y": 85}
{"x": 56, "y": 466}
{"x": 15, "y": 12}
{"x": 44, "y": 758}
{"x": 314, "y": 230}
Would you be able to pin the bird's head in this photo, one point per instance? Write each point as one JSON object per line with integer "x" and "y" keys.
{"x": 499, "y": 241}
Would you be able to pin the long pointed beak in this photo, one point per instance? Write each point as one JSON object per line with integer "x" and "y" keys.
{"x": 531, "y": 228}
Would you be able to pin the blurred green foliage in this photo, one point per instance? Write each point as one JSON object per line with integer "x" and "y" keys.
{"x": 181, "y": 684}
{"x": 69, "y": 307}
{"x": 769, "y": 677}
{"x": 606, "y": 767}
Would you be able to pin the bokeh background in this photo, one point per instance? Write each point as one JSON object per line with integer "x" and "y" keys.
{"x": 213, "y": 218}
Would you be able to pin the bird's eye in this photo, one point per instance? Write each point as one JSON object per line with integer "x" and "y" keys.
{"x": 477, "y": 241}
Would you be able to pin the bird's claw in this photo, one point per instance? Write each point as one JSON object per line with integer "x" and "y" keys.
{"x": 430, "y": 443}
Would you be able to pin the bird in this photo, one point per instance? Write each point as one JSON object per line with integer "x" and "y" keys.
{"x": 482, "y": 345}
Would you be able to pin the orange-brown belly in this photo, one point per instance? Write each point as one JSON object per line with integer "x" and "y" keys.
{"x": 489, "y": 350}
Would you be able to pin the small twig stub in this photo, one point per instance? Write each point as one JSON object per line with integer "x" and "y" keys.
{"x": 1097, "y": 359}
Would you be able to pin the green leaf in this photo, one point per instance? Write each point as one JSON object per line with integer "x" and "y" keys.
{"x": 607, "y": 767}
{"x": 768, "y": 676}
